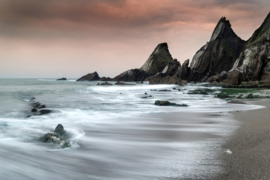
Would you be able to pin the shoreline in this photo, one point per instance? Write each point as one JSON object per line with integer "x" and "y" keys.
{"x": 248, "y": 146}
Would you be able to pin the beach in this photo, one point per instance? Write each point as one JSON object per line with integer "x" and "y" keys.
{"x": 249, "y": 145}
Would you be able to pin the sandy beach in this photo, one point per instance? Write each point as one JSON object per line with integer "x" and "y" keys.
{"x": 249, "y": 145}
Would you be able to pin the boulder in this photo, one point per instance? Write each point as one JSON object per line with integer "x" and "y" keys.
{"x": 90, "y": 77}
{"x": 157, "y": 60}
{"x": 62, "y": 79}
{"x": 105, "y": 79}
{"x": 45, "y": 111}
{"x": 168, "y": 103}
{"x": 59, "y": 136}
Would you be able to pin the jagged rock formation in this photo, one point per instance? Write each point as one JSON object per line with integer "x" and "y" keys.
{"x": 90, "y": 77}
{"x": 105, "y": 79}
{"x": 171, "y": 68}
{"x": 131, "y": 75}
{"x": 184, "y": 71}
{"x": 157, "y": 60}
{"x": 217, "y": 55}
{"x": 253, "y": 63}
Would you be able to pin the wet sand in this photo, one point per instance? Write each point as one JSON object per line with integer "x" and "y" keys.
{"x": 249, "y": 145}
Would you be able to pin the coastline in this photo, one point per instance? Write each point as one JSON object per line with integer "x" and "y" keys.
{"x": 249, "y": 145}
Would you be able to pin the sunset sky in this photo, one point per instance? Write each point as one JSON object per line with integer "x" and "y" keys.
{"x": 70, "y": 38}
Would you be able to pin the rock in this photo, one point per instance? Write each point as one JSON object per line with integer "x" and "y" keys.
{"x": 233, "y": 78}
{"x": 198, "y": 92}
{"x": 222, "y": 96}
{"x": 105, "y": 84}
{"x": 145, "y": 93}
{"x": 240, "y": 96}
{"x": 184, "y": 71}
{"x": 122, "y": 84}
{"x": 42, "y": 106}
{"x": 62, "y": 79}
{"x": 171, "y": 68}
{"x": 168, "y": 103}
{"x": 132, "y": 75}
{"x": 161, "y": 78}
{"x": 90, "y": 77}
{"x": 45, "y": 111}
{"x": 250, "y": 96}
{"x": 217, "y": 55}
{"x": 34, "y": 110}
{"x": 60, "y": 129}
{"x": 58, "y": 137}
{"x": 105, "y": 79}
{"x": 157, "y": 60}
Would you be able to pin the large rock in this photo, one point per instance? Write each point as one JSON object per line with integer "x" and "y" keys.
{"x": 171, "y": 68}
{"x": 105, "y": 79}
{"x": 62, "y": 79}
{"x": 157, "y": 60}
{"x": 183, "y": 71}
{"x": 90, "y": 77}
{"x": 122, "y": 84}
{"x": 219, "y": 54}
{"x": 253, "y": 62}
{"x": 168, "y": 103}
{"x": 131, "y": 75}
{"x": 59, "y": 136}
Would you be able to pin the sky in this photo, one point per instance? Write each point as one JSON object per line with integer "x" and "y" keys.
{"x": 70, "y": 38}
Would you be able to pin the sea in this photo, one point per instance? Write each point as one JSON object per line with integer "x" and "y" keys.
{"x": 116, "y": 132}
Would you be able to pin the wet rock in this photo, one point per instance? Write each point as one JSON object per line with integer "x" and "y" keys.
{"x": 168, "y": 103}
{"x": 122, "y": 84}
{"x": 105, "y": 84}
{"x": 42, "y": 106}
{"x": 34, "y": 110}
{"x": 250, "y": 96}
{"x": 105, "y": 79}
{"x": 62, "y": 79}
{"x": 59, "y": 136}
{"x": 240, "y": 96}
{"x": 198, "y": 92}
{"x": 222, "y": 96}
{"x": 45, "y": 111}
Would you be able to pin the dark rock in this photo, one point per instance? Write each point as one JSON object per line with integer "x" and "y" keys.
{"x": 131, "y": 75}
{"x": 58, "y": 137}
{"x": 42, "y": 106}
{"x": 157, "y": 60}
{"x": 164, "y": 90}
{"x": 240, "y": 96}
{"x": 90, "y": 77}
{"x": 198, "y": 92}
{"x": 184, "y": 71}
{"x": 168, "y": 103}
{"x": 233, "y": 78}
{"x": 45, "y": 111}
{"x": 59, "y": 129}
{"x": 145, "y": 93}
{"x": 217, "y": 55}
{"x": 62, "y": 79}
{"x": 105, "y": 79}
{"x": 222, "y": 96}
{"x": 250, "y": 96}
{"x": 161, "y": 78}
{"x": 34, "y": 110}
{"x": 171, "y": 68}
{"x": 105, "y": 84}
{"x": 122, "y": 84}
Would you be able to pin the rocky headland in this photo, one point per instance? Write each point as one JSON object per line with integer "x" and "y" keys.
{"x": 225, "y": 60}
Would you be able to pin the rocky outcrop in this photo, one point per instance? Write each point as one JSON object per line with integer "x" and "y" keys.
{"x": 171, "y": 68}
{"x": 122, "y": 84}
{"x": 62, "y": 79}
{"x": 105, "y": 79}
{"x": 59, "y": 136}
{"x": 217, "y": 55}
{"x": 104, "y": 84}
{"x": 157, "y": 60}
{"x": 168, "y": 103}
{"x": 38, "y": 109}
{"x": 184, "y": 71}
{"x": 90, "y": 77}
{"x": 161, "y": 78}
{"x": 253, "y": 63}
{"x": 131, "y": 75}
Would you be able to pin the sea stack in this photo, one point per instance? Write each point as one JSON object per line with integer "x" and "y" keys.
{"x": 90, "y": 77}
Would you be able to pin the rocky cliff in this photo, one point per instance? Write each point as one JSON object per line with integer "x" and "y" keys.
{"x": 131, "y": 75}
{"x": 217, "y": 55}
{"x": 157, "y": 60}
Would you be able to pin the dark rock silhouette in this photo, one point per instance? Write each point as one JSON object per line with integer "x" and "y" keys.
{"x": 62, "y": 79}
{"x": 90, "y": 77}
{"x": 123, "y": 84}
{"x": 157, "y": 60}
{"x": 131, "y": 75}
{"x": 104, "y": 84}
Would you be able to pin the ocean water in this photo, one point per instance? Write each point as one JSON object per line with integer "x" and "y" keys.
{"x": 116, "y": 132}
